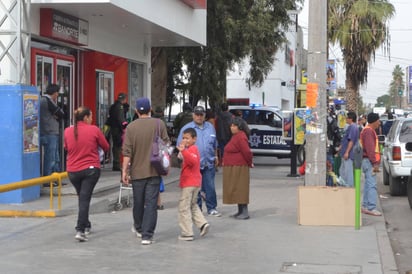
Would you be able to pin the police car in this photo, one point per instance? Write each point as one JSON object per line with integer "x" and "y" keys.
{"x": 266, "y": 130}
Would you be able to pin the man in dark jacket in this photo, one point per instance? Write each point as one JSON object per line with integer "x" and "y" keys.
{"x": 183, "y": 118}
{"x": 50, "y": 117}
{"x": 117, "y": 122}
{"x": 223, "y": 133}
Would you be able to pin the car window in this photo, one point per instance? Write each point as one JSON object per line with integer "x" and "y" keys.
{"x": 392, "y": 131}
{"x": 405, "y": 134}
{"x": 260, "y": 117}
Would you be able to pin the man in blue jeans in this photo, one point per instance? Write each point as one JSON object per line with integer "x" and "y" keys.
{"x": 370, "y": 164}
{"x": 207, "y": 145}
{"x": 50, "y": 115}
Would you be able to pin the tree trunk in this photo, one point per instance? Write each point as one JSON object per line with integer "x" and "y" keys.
{"x": 351, "y": 96}
{"x": 159, "y": 77}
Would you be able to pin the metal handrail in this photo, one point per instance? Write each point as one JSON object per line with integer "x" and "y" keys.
{"x": 54, "y": 177}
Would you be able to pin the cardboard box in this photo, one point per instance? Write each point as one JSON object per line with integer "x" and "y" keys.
{"x": 323, "y": 205}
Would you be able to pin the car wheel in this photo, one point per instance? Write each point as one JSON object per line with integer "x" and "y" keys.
{"x": 409, "y": 191}
{"x": 396, "y": 187}
{"x": 385, "y": 177}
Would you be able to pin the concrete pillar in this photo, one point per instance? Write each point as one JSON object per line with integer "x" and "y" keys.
{"x": 317, "y": 57}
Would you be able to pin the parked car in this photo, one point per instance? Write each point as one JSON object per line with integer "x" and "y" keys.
{"x": 266, "y": 130}
{"x": 408, "y": 147}
{"x": 396, "y": 159}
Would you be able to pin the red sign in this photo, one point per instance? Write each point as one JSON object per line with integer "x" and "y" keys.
{"x": 196, "y": 4}
{"x": 64, "y": 27}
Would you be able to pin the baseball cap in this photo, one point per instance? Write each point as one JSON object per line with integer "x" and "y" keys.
{"x": 143, "y": 104}
{"x": 199, "y": 110}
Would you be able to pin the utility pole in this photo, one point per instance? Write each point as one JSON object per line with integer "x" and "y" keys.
{"x": 315, "y": 173}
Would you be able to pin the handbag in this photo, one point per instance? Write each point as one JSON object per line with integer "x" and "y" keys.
{"x": 160, "y": 159}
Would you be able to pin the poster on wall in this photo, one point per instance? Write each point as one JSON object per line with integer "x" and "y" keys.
{"x": 30, "y": 123}
{"x": 299, "y": 126}
{"x": 287, "y": 124}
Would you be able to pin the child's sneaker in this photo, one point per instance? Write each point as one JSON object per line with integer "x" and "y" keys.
{"x": 204, "y": 229}
{"x": 185, "y": 238}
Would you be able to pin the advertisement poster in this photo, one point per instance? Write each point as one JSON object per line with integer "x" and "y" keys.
{"x": 287, "y": 124}
{"x": 30, "y": 123}
{"x": 300, "y": 126}
{"x": 331, "y": 75}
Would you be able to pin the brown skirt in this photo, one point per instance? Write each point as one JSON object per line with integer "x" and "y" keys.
{"x": 236, "y": 184}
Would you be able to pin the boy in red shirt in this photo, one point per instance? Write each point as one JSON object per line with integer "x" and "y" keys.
{"x": 190, "y": 182}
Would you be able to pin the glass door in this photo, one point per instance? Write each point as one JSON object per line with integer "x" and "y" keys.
{"x": 44, "y": 72}
{"x": 105, "y": 83}
{"x": 64, "y": 78}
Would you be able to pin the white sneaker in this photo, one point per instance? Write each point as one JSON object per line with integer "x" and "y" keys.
{"x": 81, "y": 237}
{"x": 215, "y": 213}
{"x": 138, "y": 234}
{"x": 147, "y": 242}
{"x": 87, "y": 231}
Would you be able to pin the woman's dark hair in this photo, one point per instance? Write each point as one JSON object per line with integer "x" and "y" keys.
{"x": 79, "y": 115}
{"x": 242, "y": 125}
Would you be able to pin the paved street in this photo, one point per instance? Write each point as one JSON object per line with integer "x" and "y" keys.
{"x": 270, "y": 242}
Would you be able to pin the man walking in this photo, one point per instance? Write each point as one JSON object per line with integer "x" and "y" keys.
{"x": 50, "y": 116}
{"x": 207, "y": 145}
{"x": 137, "y": 151}
{"x": 223, "y": 122}
{"x": 117, "y": 121}
{"x": 346, "y": 152}
{"x": 370, "y": 164}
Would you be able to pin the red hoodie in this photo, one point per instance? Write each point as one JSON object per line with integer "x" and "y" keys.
{"x": 190, "y": 175}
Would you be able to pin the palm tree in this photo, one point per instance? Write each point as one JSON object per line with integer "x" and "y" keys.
{"x": 360, "y": 27}
{"x": 397, "y": 86}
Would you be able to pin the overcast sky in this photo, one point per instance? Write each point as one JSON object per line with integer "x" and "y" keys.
{"x": 380, "y": 72}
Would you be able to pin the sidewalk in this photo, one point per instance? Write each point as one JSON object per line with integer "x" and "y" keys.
{"x": 270, "y": 242}
{"x": 102, "y": 202}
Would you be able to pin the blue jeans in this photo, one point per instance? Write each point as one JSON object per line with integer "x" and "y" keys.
{"x": 369, "y": 191}
{"x": 84, "y": 182}
{"x": 208, "y": 188}
{"x": 346, "y": 171}
{"x": 145, "y": 194}
{"x": 51, "y": 154}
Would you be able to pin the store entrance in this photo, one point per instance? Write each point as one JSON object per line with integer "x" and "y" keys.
{"x": 50, "y": 68}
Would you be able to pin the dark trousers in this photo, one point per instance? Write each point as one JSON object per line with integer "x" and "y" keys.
{"x": 117, "y": 146}
{"x": 145, "y": 194}
{"x": 84, "y": 182}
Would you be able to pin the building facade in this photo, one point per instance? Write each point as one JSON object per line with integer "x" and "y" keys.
{"x": 95, "y": 49}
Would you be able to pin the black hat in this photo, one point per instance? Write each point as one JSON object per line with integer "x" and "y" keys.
{"x": 52, "y": 88}
{"x": 199, "y": 110}
{"x": 121, "y": 96}
{"x": 372, "y": 117}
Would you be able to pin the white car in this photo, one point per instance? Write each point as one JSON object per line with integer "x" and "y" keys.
{"x": 396, "y": 160}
